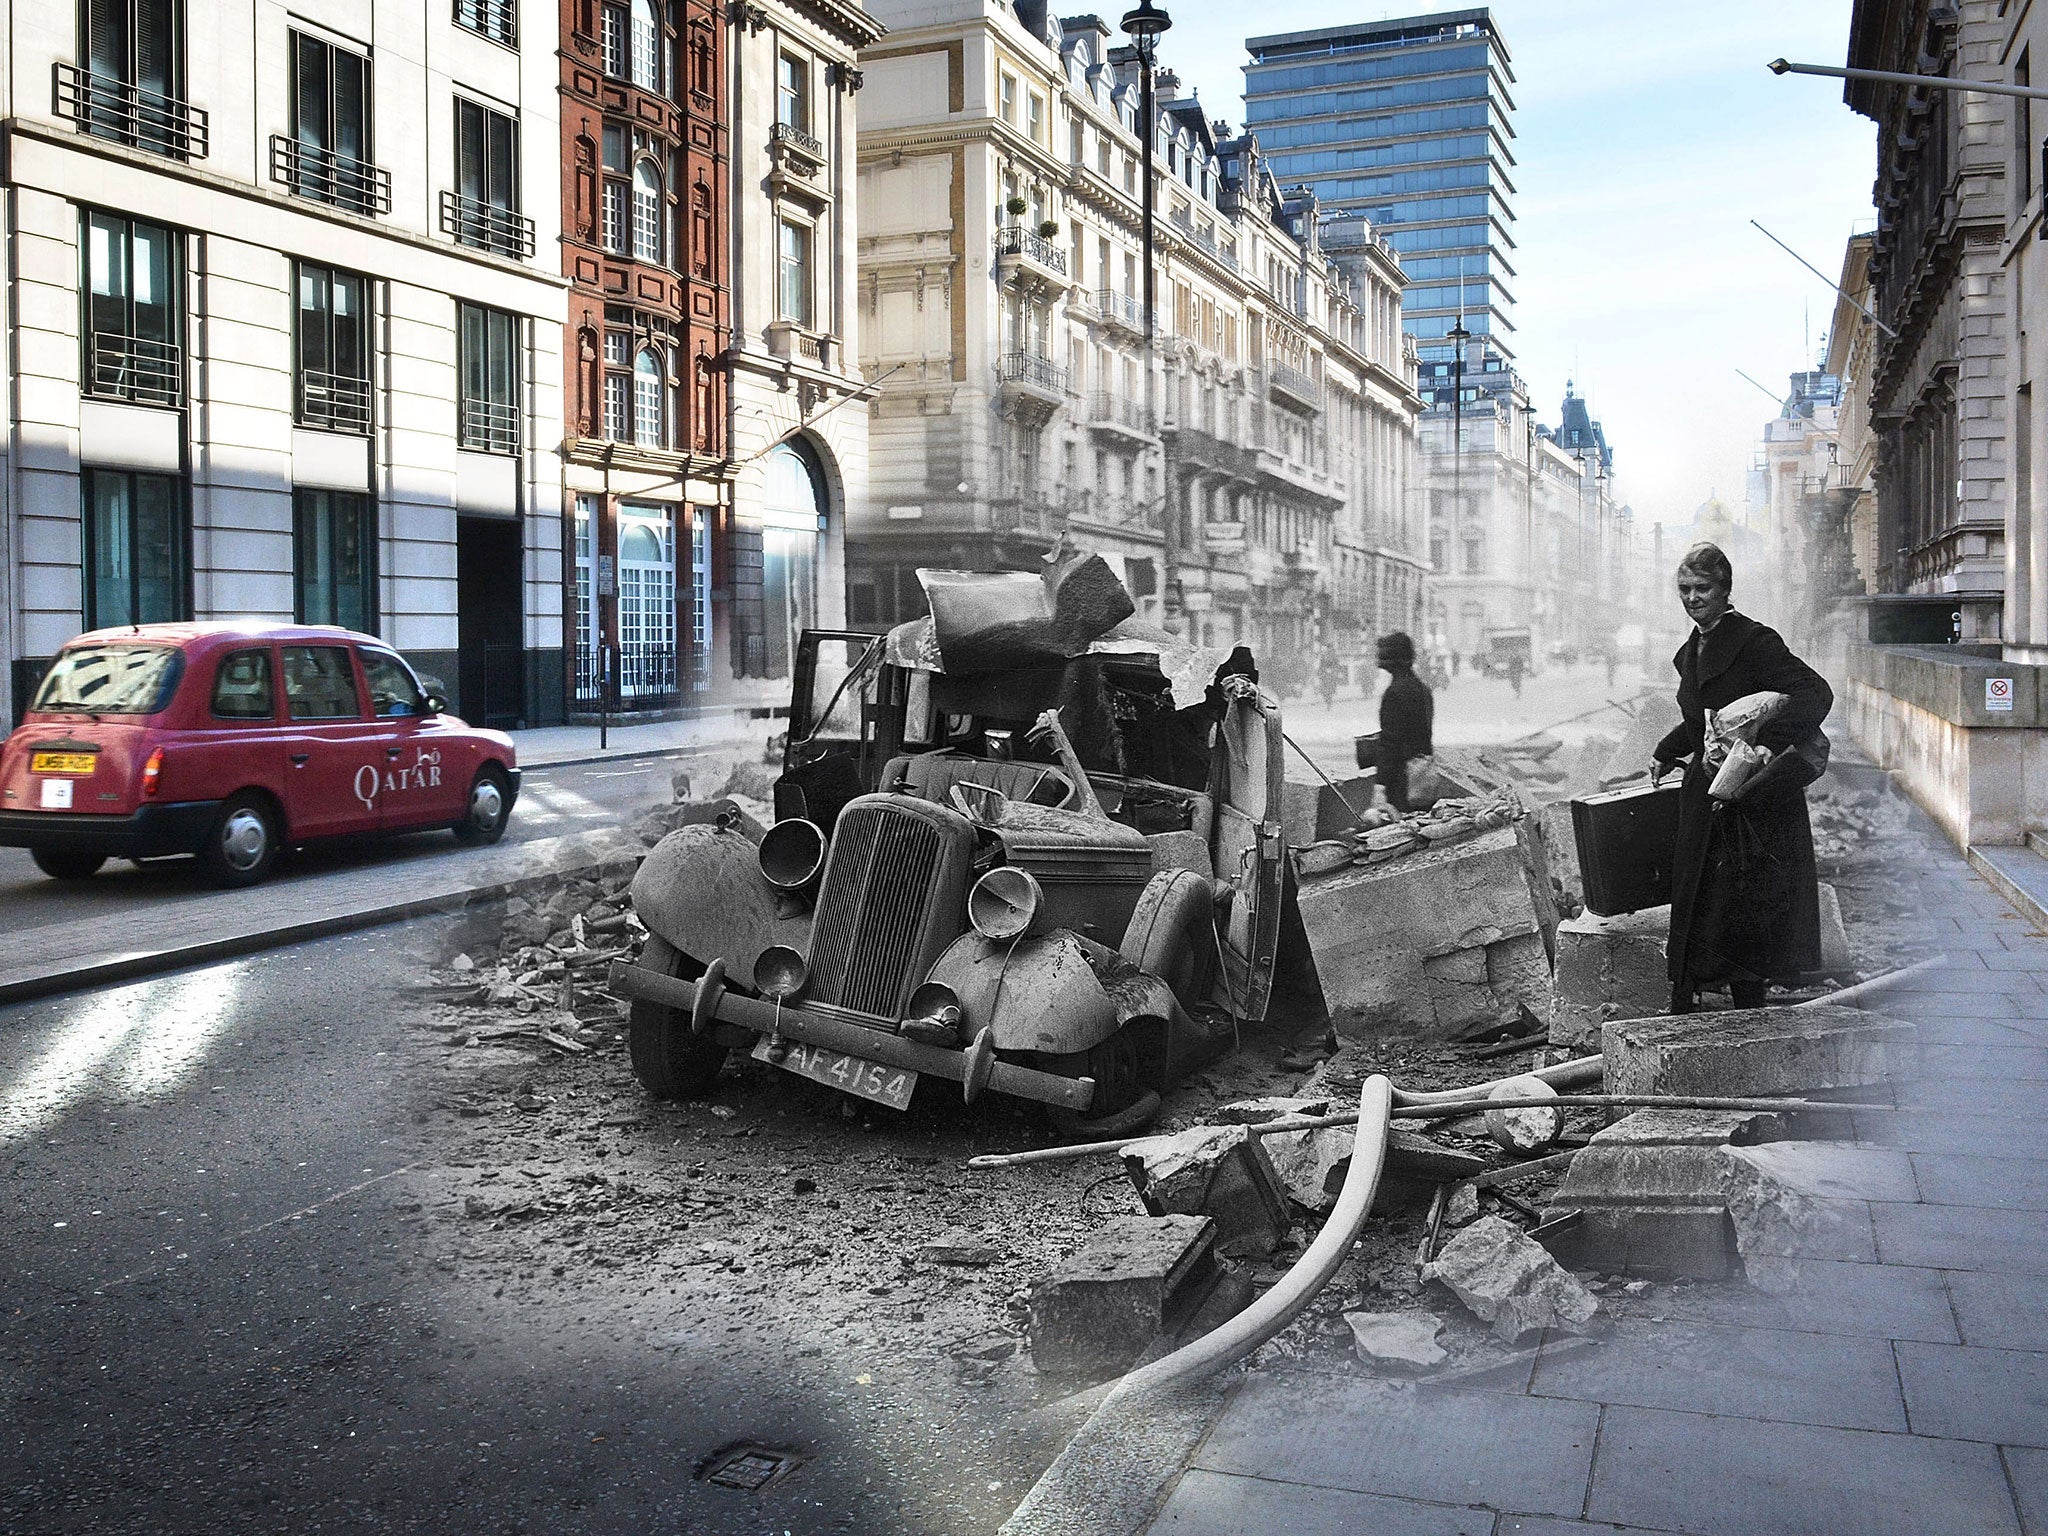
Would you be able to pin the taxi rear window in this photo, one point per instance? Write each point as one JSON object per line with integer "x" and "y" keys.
{"x": 111, "y": 680}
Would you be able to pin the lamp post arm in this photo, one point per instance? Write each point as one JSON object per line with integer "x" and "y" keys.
{"x": 1894, "y": 77}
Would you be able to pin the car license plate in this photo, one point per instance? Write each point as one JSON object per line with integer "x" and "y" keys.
{"x": 61, "y": 762}
{"x": 849, "y": 1074}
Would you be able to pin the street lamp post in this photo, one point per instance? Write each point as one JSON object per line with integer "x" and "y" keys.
{"x": 1143, "y": 25}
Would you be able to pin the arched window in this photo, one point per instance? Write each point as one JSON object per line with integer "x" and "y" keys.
{"x": 792, "y": 512}
{"x": 647, "y": 601}
{"x": 646, "y": 212}
{"x": 646, "y": 29}
{"x": 648, "y": 388}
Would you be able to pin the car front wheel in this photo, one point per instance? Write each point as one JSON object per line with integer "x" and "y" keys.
{"x": 670, "y": 1061}
{"x": 60, "y": 864}
{"x": 242, "y": 847}
{"x": 490, "y": 807}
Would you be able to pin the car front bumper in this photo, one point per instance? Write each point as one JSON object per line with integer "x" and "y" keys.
{"x": 708, "y": 1003}
{"x": 146, "y": 833}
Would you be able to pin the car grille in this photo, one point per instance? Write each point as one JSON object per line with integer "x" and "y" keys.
{"x": 889, "y": 871}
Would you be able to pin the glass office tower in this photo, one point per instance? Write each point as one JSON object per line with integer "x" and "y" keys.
{"x": 1409, "y": 124}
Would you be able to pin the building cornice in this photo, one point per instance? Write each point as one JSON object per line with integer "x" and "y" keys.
{"x": 848, "y": 23}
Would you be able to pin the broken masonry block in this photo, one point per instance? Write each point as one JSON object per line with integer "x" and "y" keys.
{"x": 1311, "y": 1164}
{"x": 1835, "y": 956}
{"x": 1218, "y": 1171}
{"x": 1508, "y": 1280}
{"x": 1749, "y": 1052}
{"x": 1263, "y": 1111}
{"x": 1100, "y": 1308}
{"x": 1402, "y": 1343}
{"x": 1795, "y": 1200}
{"x": 1608, "y": 968}
{"x": 1652, "y": 1197}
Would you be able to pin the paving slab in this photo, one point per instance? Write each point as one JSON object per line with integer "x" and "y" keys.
{"x": 1217, "y": 1504}
{"x": 1408, "y": 1441}
{"x": 1762, "y": 1373}
{"x": 1992, "y": 1060}
{"x": 1859, "y": 1300}
{"x": 1962, "y": 1237}
{"x": 2000, "y": 1311}
{"x": 1954, "y": 1131}
{"x": 2002, "y": 1183}
{"x": 1964, "y": 1392}
{"x": 2029, "y": 1469}
{"x": 1738, "y": 1477}
{"x": 1542, "y": 1525}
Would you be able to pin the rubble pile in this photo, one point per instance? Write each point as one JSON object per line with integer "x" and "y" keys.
{"x": 1387, "y": 836}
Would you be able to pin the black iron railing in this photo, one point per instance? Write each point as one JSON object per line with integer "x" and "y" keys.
{"x": 108, "y": 108}
{"x": 797, "y": 138}
{"x": 327, "y": 177}
{"x": 136, "y": 368}
{"x": 1120, "y": 309}
{"x": 1031, "y": 369}
{"x": 485, "y": 225}
{"x": 1113, "y": 410}
{"x": 646, "y": 675}
{"x": 338, "y": 402}
{"x": 1016, "y": 240}
{"x": 496, "y": 19}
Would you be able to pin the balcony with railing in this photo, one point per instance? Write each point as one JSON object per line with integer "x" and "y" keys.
{"x": 488, "y": 426}
{"x": 1017, "y": 248}
{"x": 1028, "y": 375}
{"x": 486, "y": 226}
{"x": 332, "y": 401}
{"x": 1119, "y": 416}
{"x": 1122, "y": 310}
{"x": 1291, "y": 386}
{"x": 496, "y": 19}
{"x": 136, "y": 368}
{"x": 112, "y": 109}
{"x": 327, "y": 177}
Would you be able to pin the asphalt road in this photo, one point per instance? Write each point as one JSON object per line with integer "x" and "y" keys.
{"x": 250, "y": 1284}
{"x": 552, "y": 802}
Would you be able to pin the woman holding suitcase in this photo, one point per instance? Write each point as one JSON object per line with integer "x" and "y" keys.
{"x": 1745, "y": 899}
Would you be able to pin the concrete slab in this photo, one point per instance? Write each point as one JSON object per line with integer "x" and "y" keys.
{"x": 2029, "y": 1470}
{"x": 1421, "y": 1442}
{"x": 1962, "y": 1237}
{"x": 1972, "y": 1063}
{"x": 1879, "y": 1301}
{"x": 2003, "y": 1183}
{"x": 2000, "y": 1311}
{"x": 1962, "y": 1392}
{"x": 1537, "y": 1525}
{"x": 1747, "y": 1051}
{"x": 1758, "y": 1373}
{"x": 1721, "y": 1476}
{"x": 1214, "y": 1504}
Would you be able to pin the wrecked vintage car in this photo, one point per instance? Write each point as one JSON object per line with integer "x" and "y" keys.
{"x": 1055, "y": 881}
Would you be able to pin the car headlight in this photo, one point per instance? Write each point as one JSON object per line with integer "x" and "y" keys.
{"x": 934, "y": 1015}
{"x": 792, "y": 854}
{"x": 1004, "y": 903}
{"x": 780, "y": 973}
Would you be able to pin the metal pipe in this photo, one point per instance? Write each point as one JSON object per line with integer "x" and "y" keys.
{"x": 1301, "y": 1284}
{"x": 1566, "y": 1074}
{"x": 1893, "y": 77}
{"x": 1852, "y": 997}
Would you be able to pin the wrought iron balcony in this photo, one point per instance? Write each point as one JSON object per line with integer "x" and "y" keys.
{"x": 797, "y": 139}
{"x": 485, "y": 225}
{"x": 1299, "y": 387}
{"x": 1015, "y": 240}
{"x": 1032, "y": 371}
{"x": 136, "y": 368}
{"x": 1121, "y": 309}
{"x": 337, "y": 402}
{"x": 496, "y": 19}
{"x": 327, "y": 177}
{"x": 108, "y": 108}
{"x": 1116, "y": 413}
{"x": 488, "y": 426}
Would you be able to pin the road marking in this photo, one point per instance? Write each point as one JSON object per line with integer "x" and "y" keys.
{"x": 620, "y": 773}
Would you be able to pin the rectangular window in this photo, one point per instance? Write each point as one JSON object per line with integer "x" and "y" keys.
{"x": 700, "y": 598}
{"x": 795, "y": 285}
{"x": 793, "y": 92}
{"x": 1034, "y": 121}
{"x": 1006, "y": 99}
{"x": 133, "y": 314}
{"x": 137, "y": 549}
{"x": 649, "y": 386}
{"x": 2023, "y": 132}
{"x": 334, "y": 559}
{"x": 241, "y": 686}
{"x": 647, "y": 601}
{"x": 613, "y": 232}
{"x": 328, "y": 155}
{"x": 320, "y": 683}
{"x": 647, "y": 209}
{"x": 483, "y": 208}
{"x": 612, "y": 41}
{"x": 333, "y": 342}
{"x": 133, "y": 80}
{"x": 488, "y": 375}
{"x": 496, "y": 19}
{"x": 586, "y": 638}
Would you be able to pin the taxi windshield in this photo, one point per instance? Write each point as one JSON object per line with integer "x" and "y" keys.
{"x": 111, "y": 680}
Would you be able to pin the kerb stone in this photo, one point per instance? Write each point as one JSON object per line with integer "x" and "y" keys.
{"x": 1101, "y": 1307}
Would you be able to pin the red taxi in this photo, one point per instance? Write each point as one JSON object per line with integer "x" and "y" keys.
{"x": 234, "y": 741}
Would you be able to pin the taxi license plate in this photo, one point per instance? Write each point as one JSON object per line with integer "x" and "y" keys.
{"x": 61, "y": 762}
{"x": 849, "y": 1074}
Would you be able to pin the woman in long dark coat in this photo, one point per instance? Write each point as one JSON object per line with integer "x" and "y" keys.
{"x": 1745, "y": 903}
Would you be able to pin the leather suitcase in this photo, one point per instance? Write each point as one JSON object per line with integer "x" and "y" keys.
{"x": 1627, "y": 842}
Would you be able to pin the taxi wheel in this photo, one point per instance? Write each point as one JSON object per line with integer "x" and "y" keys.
{"x": 490, "y": 807}
{"x": 61, "y": 865}
{"x": 669, "y": 1060}
{"x": 242, "y": 847}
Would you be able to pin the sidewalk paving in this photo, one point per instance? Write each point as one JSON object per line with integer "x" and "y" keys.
{"x": 554, "y": 746}
{"x": 1902, "y": 1387}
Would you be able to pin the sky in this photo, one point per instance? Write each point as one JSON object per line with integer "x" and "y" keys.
{"x": 1648, "y": 136}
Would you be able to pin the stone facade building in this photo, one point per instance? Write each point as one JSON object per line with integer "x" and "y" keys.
{"x": 1252, "y": 481}
{"x": 286, "y": 330}
{"x": 1939, "y": 386}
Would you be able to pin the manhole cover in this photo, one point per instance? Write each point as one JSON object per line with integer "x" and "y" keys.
{"x": 749, "y": 1468}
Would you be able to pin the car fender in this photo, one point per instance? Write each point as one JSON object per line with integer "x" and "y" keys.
{"x": 1039, "y": 994}
{"x": 702, "y": 889}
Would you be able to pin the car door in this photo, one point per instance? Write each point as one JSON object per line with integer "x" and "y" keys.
{"x": 1249, "y": 852}
{"x": 426, "y": 770}
{"x": 238, "y": 744}
{"x": 333, "y": 746}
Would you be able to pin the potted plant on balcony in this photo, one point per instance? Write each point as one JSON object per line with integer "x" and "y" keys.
{"x": 1048, "y": 229}
{"x": 1016, "y": 207}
